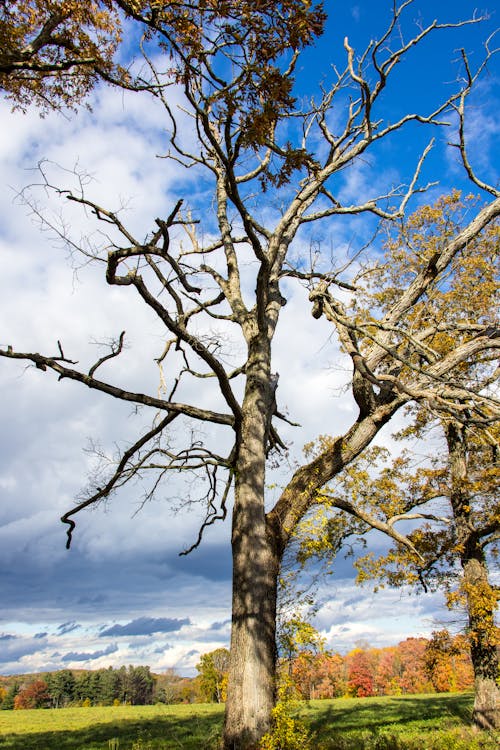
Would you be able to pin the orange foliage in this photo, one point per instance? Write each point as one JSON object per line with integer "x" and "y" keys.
{"x": 416, "y": 665}
{"x": 35, "y": 695}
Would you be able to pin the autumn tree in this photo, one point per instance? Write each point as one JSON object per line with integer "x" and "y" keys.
{"x": 319, "y": 675}
{"x": 411, "y": 676}
{"x": 440, "y": 655}
{"x": 416, "y": 665}
{"x": 258, "y": 148}
{"x": 450, "y": 545}
{"x": 35, "y": 695}
{"x": 452, "y": 542}
{"x": 212, "y": 669}
{"x": 449, "y": 530}
{"x": 360, "y": 673}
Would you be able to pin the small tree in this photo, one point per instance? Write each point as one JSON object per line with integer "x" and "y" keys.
{"x": 360, "y": 674}
{"x": 35, "y": 695}
{"x": 10, "y": 697}
{"x": 213, "y": 668}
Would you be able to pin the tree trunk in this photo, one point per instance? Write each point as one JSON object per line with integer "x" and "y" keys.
{"x": 251, "y": 683}
{"x": 480, "y": 595}
{"x": 484, "y": 655}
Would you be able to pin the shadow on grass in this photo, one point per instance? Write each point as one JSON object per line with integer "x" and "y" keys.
{"x": 342, "y": 724}
{"x": 165, "y": 733}
{"x": 373, "y": 714}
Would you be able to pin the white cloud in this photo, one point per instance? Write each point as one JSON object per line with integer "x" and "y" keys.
{"x": 123, "y": 568}
{"x": 351, "y": 614}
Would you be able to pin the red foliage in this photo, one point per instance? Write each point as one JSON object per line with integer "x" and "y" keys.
{"x": 35, "y": 695}
{"x": 360, "y": 673}
{"x": 416, "y": 665}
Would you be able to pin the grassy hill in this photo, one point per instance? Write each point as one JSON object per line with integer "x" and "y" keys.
{"x": 431, "y": 722}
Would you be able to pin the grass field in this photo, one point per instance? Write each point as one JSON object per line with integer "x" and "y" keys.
{"x": 437, "y": 722}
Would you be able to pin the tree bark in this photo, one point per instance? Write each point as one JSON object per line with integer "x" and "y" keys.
{"x": 480, "y": 595}
{"x": 484, "y": 655}
{"x": 256, "y": 561}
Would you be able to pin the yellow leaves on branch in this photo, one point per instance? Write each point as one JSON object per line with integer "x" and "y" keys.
{"x": 50, "y": 50}
{"x": 466, "y": 294}
{"x": 233, "y": 57}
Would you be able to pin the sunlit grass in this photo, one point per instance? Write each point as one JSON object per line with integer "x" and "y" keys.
{"x": 431, "y": 722}
{"x": 165, "y": 727}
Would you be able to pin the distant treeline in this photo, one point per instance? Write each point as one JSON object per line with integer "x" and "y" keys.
{"x": 105, "y": 687}
{"x": 417, "y": 665}
{"x": 441, "y": 664}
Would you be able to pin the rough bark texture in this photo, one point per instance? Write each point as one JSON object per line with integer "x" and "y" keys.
{"x": 251, "y": 684}
{"x": 478, "y": 590}
{"x": 484, "y": 654}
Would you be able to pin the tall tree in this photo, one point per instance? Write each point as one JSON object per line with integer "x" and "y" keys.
{"x": 61, "y": 686}
{"x": 451, "y": 542}
{"x": 439, "y": 546}
{"x": 235, "y": 63}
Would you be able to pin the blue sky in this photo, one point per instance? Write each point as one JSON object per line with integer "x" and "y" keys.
{"x": 122, "y": 594}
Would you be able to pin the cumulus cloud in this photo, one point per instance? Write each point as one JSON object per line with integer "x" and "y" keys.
{"x": 121, "y": 566}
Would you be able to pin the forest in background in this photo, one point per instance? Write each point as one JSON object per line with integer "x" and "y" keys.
{"x": 440, "y": 664}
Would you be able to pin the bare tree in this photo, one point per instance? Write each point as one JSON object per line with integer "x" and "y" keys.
{"x": 254, "y": 145}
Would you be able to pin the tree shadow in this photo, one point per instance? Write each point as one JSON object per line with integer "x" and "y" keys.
{"x": 372, "y": 714}
{"x": 189, "y": 732}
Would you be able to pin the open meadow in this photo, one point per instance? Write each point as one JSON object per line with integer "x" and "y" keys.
{"x": 428, "y": 722}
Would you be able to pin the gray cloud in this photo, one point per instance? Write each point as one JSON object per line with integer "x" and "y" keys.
{"x": 13, "y": 649}
{"x": 67, "y": 627}
{"x": 161, "y": 649}
{"x": 220, "y": 625}
{"x": 74, "y": 656}
{"x": 147, "y": 626}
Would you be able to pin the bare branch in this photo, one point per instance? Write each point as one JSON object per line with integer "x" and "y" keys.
{"x": 117, "y": 476}
{"x": 54, "y": 363}
{"x": 116, "y": 349}
{"x": 372, "y": 521}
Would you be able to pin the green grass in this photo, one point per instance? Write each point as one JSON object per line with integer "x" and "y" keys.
{"x": 146, "y": 727}
{"x": 417, "y": 722}
{"x": 437, "y": 722}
